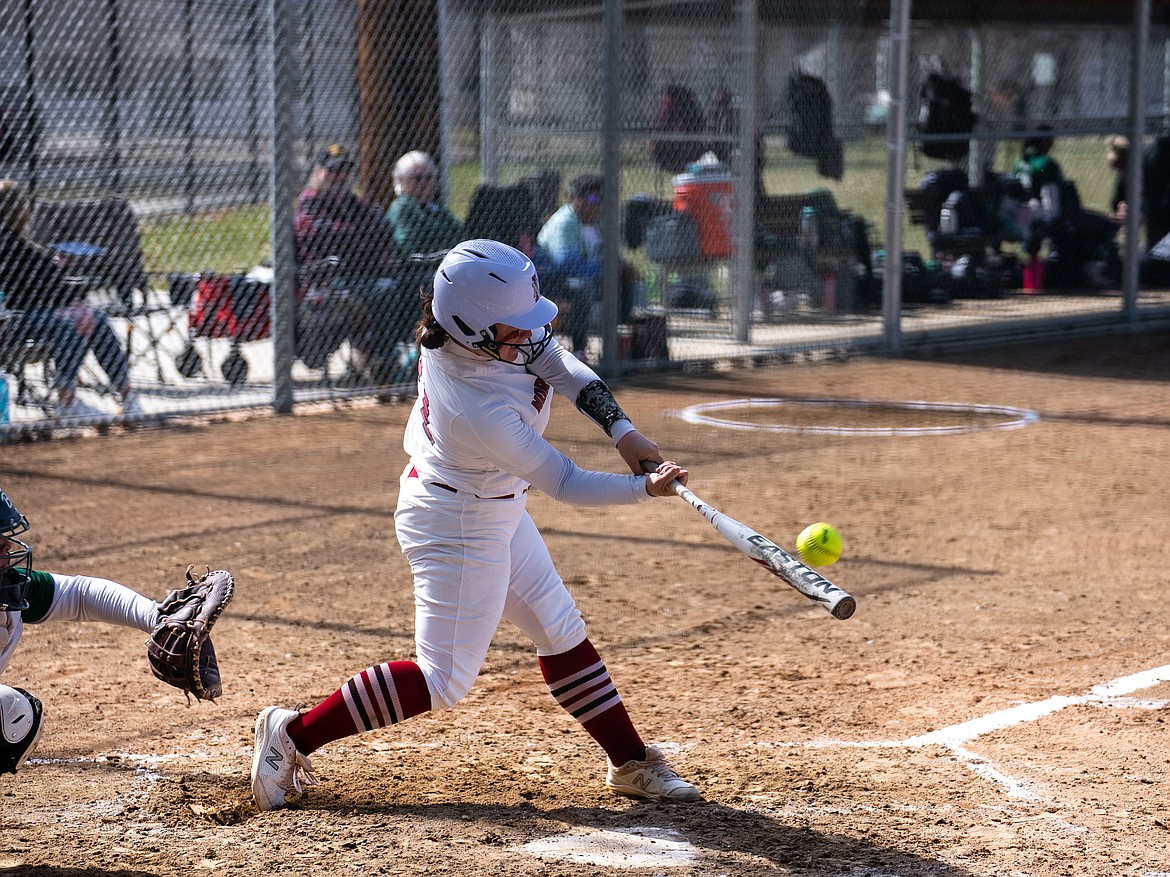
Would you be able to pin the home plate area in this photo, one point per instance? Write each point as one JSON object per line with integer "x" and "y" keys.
{"x": 621, "y": 848}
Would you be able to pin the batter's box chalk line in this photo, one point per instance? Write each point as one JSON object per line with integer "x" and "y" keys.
{"x": 1010, "y": 418}
{"x": 1113, "y": 694}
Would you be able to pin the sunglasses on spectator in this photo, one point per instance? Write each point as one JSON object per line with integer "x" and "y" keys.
{"x": 592, "y": 199}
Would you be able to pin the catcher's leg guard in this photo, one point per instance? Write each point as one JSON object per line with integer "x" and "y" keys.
{"x": 21, "y": 720}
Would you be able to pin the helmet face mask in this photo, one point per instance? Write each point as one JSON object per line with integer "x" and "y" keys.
{"x": 482, "y": 285}
{"x": 526, "y": 351}
{"x": 15, "y": 558}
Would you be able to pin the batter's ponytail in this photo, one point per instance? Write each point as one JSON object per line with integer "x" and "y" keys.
{"x": 429, "y": 333}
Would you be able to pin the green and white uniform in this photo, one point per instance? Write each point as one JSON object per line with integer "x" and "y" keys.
{"x": 54, "y": 597}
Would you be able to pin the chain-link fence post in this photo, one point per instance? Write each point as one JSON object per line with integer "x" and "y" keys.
{"x": 284, "y": 257}
{"x": 899, "y": 65}
{"x": 745, "y": 167}
{"x": 1134, "y": 168}
{"x": 611, "y": 192}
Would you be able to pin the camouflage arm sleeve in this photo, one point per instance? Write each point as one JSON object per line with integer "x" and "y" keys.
{"x": 597, "y": 403}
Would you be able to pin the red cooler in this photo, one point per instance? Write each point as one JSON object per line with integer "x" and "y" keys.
{"x": 707, "y": 198}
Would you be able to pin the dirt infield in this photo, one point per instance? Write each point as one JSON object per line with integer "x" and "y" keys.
{"x": 997, "y": 706}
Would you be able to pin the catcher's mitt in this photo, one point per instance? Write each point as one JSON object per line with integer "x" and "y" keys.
{"x": 179, "y": 649}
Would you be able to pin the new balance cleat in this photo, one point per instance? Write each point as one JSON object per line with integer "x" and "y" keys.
{"x": 651, "y": 779}
{"x": 277, "y": 766}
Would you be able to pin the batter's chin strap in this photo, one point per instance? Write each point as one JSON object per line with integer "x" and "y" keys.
{"x": 597, "y": 403}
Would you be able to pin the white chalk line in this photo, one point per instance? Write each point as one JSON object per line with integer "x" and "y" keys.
{"x": 1112, "y": 694}
{"x": 666, "y": 848}
{"x": 134, "y": 758}
{"x": 1015, "y": 418}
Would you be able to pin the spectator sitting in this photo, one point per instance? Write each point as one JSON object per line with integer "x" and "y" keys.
{"x": 1082, "y": 249}
{"x": 52, "y": 309}
{"x": 1154, "y": 267}
{"x": 1156, "y": 194}
{"x": 421, "y": 224}
{"x": 334, "y": 221}
{"x": 1043, "y": 180}
{"x": 570, "y": 243}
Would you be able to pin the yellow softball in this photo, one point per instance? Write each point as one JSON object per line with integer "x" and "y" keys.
{"x": 819, "y": 544}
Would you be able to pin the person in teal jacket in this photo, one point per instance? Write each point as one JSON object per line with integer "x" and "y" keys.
{"x": 569, "y": 247}
{"x": 421, "y": 224}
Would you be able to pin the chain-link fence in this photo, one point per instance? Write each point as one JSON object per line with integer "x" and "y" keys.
{"x": 697, "y": 182}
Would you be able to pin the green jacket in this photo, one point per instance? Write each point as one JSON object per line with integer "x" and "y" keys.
{"x": 1036, "y": 171}
{"x": 422, "y": 228}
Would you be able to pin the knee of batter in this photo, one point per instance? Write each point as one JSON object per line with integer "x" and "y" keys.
{"x": 447, "y": 687}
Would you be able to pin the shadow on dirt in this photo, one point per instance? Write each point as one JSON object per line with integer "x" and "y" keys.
{"x": 1138, "y": 356}
{"x": 54, "y": 871}
{"x": 720, "y": 839}
{"x": 1141, "y": 356}
{"x": 724, "y": 840}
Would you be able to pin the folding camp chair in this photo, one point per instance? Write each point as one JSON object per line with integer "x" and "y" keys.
{"x": 100, "y": 243}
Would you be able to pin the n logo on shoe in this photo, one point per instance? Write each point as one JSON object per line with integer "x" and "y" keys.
{"x": 641, "y": 780}
{"x": 274, "y": 757}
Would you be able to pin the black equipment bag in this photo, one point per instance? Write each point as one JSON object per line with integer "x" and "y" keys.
{"x": 945, "y": 108}
{"x": 810, "y": 124}
{"x": 672, "y": 237}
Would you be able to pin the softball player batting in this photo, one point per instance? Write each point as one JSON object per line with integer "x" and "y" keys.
{"x": 487, "y": 370}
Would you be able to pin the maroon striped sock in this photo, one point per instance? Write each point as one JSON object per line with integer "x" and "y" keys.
{"x": 383, "y": 695}
{"x": 580, "y": 682}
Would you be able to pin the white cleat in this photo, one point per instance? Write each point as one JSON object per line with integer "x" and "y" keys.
{"x": 652, "y": 779}
{"x": 277, "y": 766}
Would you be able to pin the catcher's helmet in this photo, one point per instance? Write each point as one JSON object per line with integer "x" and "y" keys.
{"x": 481, "y": 283}
{"x": 15, "y": 558}
{"x": 21, "y": 720}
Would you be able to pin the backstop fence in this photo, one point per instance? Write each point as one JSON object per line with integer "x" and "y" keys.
{"x": 241, "y": 199}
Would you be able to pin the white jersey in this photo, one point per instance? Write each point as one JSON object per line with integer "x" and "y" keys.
{"x": 477, "y": 424}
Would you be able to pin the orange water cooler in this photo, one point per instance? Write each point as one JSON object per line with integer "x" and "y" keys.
{"x": 706, "y": 196}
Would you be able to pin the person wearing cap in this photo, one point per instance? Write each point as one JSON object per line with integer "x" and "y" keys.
{"x": 421, "y": 224}
{"x": 1042, "y": 179}
{"x": 334, "y": 221}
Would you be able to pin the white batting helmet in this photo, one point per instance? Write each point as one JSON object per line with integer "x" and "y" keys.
{"x": 21, "y": 721}
{"x": 481, "y": 283}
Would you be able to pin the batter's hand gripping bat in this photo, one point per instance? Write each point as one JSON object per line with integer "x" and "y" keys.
{"x": 769, "y": 555}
